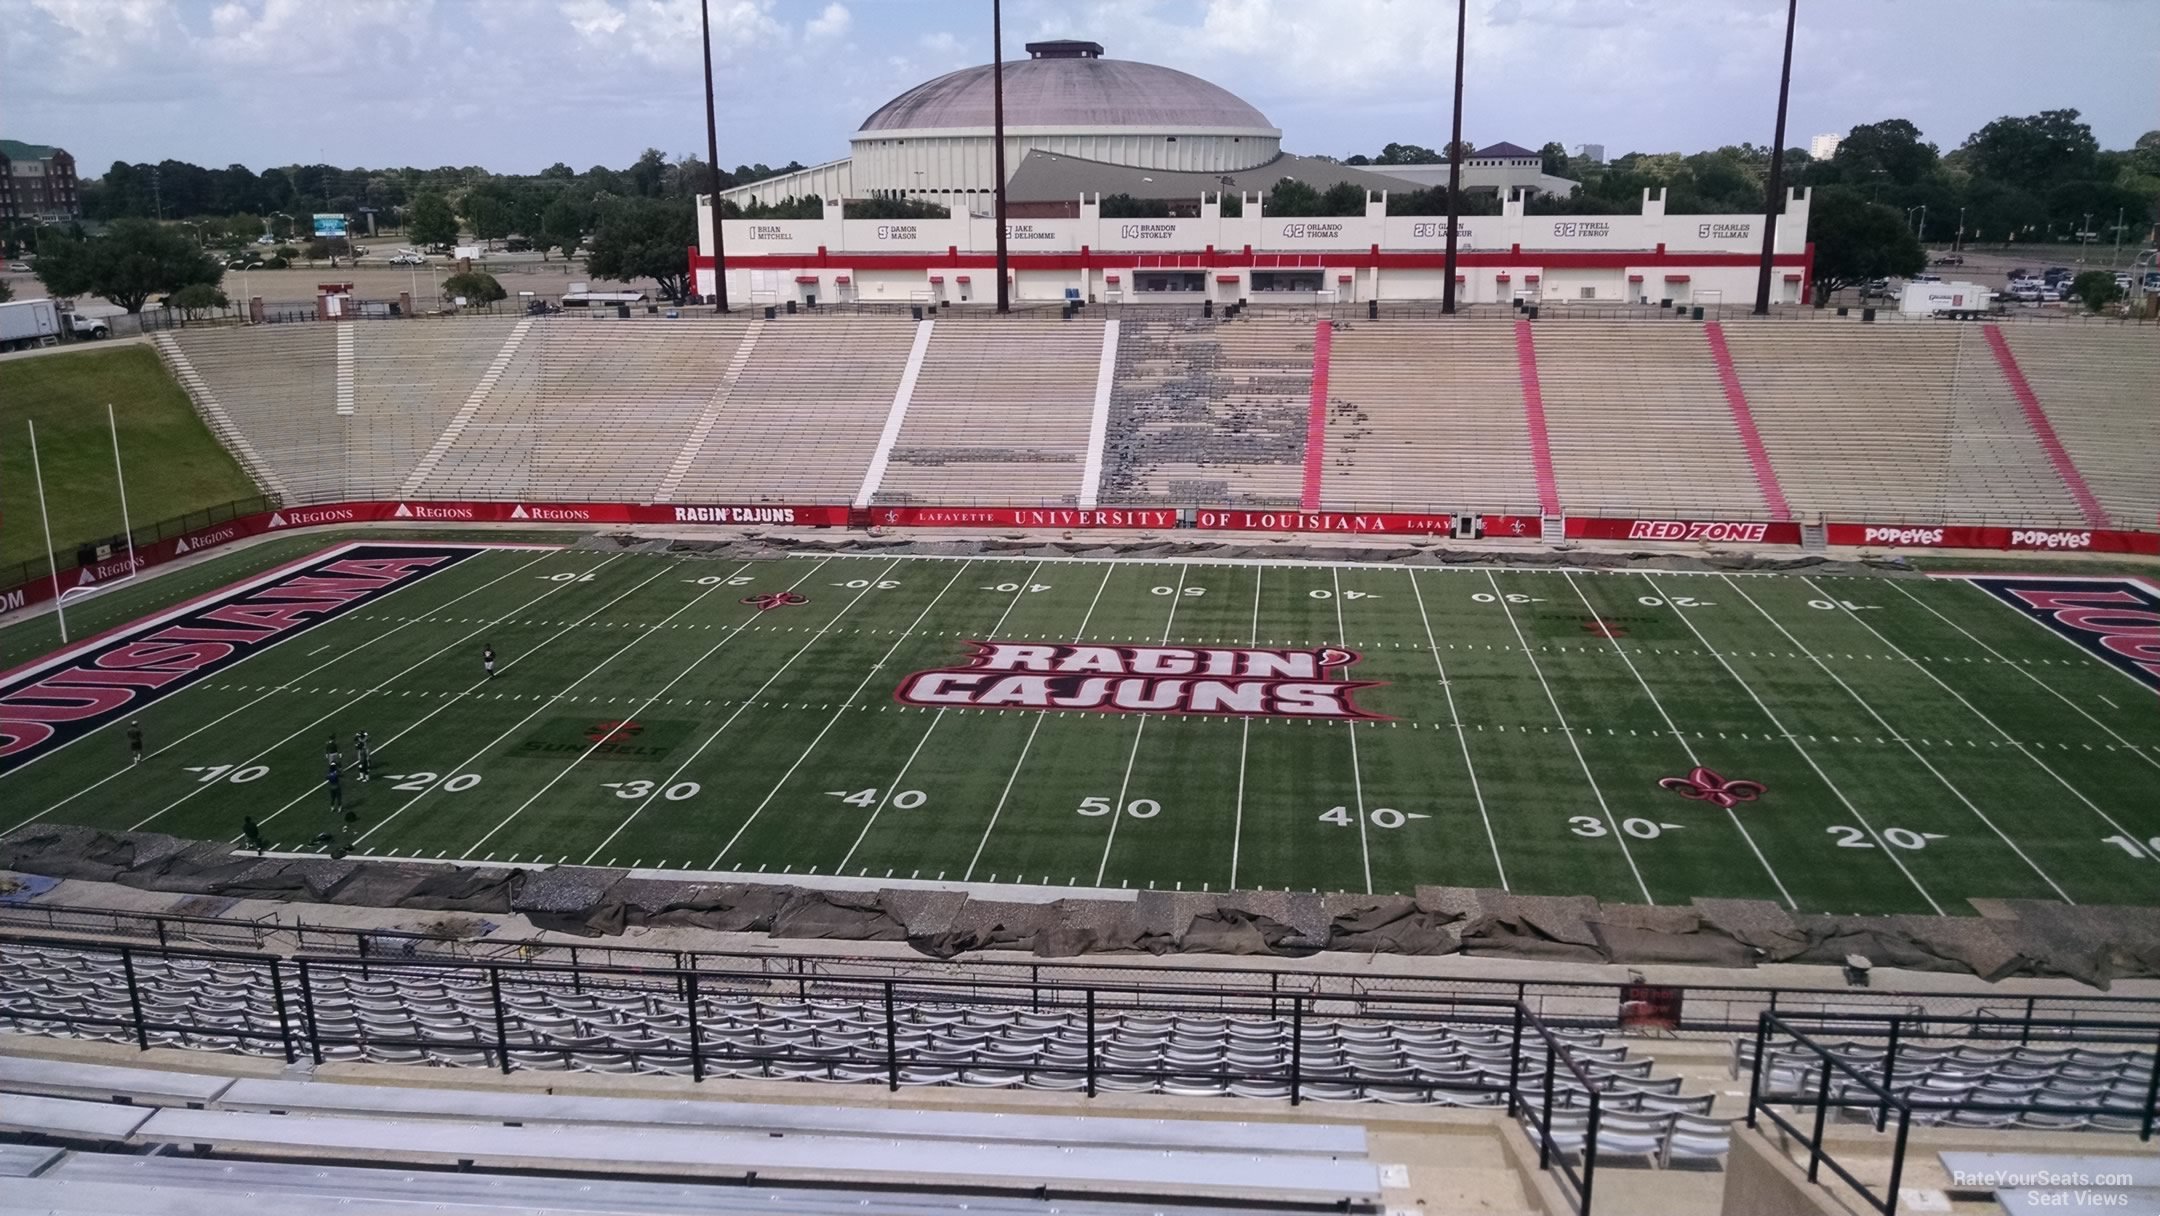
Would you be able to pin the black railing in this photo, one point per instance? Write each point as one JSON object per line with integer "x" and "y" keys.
{"x": 1708, "y": 1010}
{"x": 477, "y": 1030}
{"x": 32, "y": 569}
{"x": 1832, "y": 1082}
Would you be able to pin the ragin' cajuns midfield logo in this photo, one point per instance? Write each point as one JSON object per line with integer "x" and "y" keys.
{"x": 1235, "y": 682}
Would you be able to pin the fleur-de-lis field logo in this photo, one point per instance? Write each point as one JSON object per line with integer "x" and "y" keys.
{"x": 1707, "y": 785}
{"x": 775, "y": 599}
{"x": 1598, "y": 626}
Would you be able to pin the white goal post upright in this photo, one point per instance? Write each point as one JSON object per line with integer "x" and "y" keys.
{"x": 52, "y": 563}
{"x": 127, "y": 529}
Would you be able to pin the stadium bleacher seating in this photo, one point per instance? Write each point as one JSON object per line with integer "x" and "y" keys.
{"x": 999, "y": 415}
{"x": 408, "y": 383}
{"x": 2097, "y": 385}
{"x": 1427, "y": 417}
{"x": 277, "y": 386}
{"x": 1207, "y": 410}
{"x": 2112, "y": 1082}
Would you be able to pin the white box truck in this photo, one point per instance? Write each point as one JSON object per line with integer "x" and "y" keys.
{"x": 1953, "y": 300}
{"x": 27, "y": 323}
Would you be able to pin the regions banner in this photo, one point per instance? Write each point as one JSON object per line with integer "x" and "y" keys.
{"x": 51, "y": 703}
{"x": 1709, "y": 531}
{"x": 1953, "y": 536}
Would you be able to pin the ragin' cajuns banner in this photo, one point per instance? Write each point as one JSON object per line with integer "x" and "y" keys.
{"x": 1952, "y": 536}
{"x": 51, "y": 702}
{"x": 1208, "y": 680}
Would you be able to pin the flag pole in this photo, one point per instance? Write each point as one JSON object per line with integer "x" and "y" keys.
{"x": 52, "y": 563}
{"x": 127, "y": 528}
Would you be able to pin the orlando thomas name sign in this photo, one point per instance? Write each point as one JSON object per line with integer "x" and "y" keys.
{"x": 1235, "y": 682}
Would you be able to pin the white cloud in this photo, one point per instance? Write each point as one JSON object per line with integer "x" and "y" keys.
{"x": 834, "y": 22}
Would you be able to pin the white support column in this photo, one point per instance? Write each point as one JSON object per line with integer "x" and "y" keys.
{"x": 896, "y": 415}
{"x": 1099, "y": 421}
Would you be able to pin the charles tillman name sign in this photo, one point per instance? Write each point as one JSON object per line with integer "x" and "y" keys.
{"x": 52, "y": 703}
{"x": 1145, "y": 679}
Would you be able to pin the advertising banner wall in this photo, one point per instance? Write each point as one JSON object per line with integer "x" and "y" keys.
{"x": 1723, "y": 531}
{"x": 1952, "y": 536}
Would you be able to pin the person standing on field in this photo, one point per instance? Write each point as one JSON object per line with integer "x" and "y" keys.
{"x": 487, "y": 659}
{"x": 336, "y": 788}
{"x": 134, "y": 734}
{"x": 360, "y": 747}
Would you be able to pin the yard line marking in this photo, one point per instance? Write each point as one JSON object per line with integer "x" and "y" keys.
{"x": 740, "y": 709}
{"x": 320, "y": 719}
{"x": 2006, "y": 736}
{"x": 650, "y": 701}
{"x": 893, "y": 785}
{"x": 837, "y": 714}
{"x": 1117, "y": 811}
{"x": 1357, "y": 777}
{"x": 1461, "y": 736}
{"x": 1914, "y": 752}
{"x": 2020, "y": 669}
{"x": 1108, "y": 570}
{"x": 461, "y": 695}
{"x": 1694, "y": 761}
{"x": 267, "y": 691}
{"x": 1237, "y": 827}
{"x": 1612, "y": 825}
{"x": 1805, "y": 755}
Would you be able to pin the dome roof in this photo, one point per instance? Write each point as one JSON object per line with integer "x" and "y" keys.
{"x": 1071, "y": 92}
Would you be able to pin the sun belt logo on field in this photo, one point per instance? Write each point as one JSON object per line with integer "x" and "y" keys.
{"x": 1236, "y": 682}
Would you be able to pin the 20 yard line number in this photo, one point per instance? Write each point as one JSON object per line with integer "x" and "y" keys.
{"x": 1380, "y": 817}
{"x": 1850, "y": 837}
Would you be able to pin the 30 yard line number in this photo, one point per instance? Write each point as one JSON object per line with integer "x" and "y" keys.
{"x": 643, "y": 789}
{"x": 1590, "y": 827}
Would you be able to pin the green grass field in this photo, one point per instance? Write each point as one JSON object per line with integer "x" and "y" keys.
{"x": 1918, "y": 743}
{"x": 175, "y": 466}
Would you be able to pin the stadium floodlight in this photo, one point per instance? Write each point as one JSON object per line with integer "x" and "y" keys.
{"x": 1454, "y": 173}
{"x": 1774, "y": 189}
{"x": 997, "y": 118}
{"x": 712, "y": 157}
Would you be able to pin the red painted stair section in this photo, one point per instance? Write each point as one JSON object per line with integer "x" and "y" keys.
{"x": 2044, "y": 431}
{"x": 1773, "y": 494}
{"x": 1533, "y": 400}
{"x": 1323, "y": 341}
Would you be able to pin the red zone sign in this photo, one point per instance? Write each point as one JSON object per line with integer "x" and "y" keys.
{"x": 51, "y": 703}
{"x": 1213, "y": 680}
{"x": 2116, "y": 620}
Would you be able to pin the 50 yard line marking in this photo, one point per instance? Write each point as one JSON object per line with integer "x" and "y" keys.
{"x": 834, "y": 720}
{"x": 1910, "y": 750}
{"x": 1779, "y": 726}
{"x": 649, "y": 702}
{"x": 1990, "y": 722}
{"x": 2020, "y": 668}
{"x": 273, "y": 691}
{"x": 1117, "y": 809}
{"x": 893, "y": 786}
{"x": 1619, "y": 837}
{"x": 1357, "y": 777}
{"x": 1109, "y": 569}
{"x": 1674, "y": 727}
{"x": 1462, "y": 733}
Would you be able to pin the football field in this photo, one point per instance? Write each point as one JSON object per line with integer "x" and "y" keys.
{"x": 1851, "y": 744}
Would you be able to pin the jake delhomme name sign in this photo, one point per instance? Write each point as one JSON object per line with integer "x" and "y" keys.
{"x": 1238, "y": 682}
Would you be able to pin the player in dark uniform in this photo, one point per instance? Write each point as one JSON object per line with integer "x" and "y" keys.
{"x": 360, "y": 747}
{"x": 335, "y": 786}
{"x": 487, "y": 659}
{"x": 134, "y": 734}
{"x": 252, "y": 831}
{"x": 330, "y": 752}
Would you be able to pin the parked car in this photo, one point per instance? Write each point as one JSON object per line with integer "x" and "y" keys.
{"x": 266, "y": 239}
{"x": 19, "y": 267}
{"x": 517, "y": 244}
{"x": 407, "y": 257}
{"x": 2027, "y": 292}
{"x": 2055, "y": 274}
{"x": 1949, "y": 259}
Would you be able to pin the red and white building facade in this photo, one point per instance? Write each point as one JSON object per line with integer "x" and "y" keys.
{"x": 1651, "y": 256}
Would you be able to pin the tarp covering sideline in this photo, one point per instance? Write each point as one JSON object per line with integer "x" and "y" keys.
{"x": 2015, "y": 938}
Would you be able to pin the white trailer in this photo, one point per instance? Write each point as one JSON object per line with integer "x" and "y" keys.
{"x": 27, "y": 323}
{"x": 1945, "y": 300}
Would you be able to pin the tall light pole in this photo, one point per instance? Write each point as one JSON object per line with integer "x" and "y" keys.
{"x": 712, "y": 164}
{"x": 1454, "y": 172}
{"x": 997, "y": 122}
{"x": 1774, "y": 190}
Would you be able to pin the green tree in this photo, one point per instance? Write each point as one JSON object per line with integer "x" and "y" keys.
{"x": 1293, "y": 197}
{"x": 645, "y": 239}
{"x": 2095, "y": 289}
{"x": 891, "y": 209}
{"x": 1555, "y": 158}
{"x": 429, "y": 221}
{"x": 562, "y": 226}
{"x": 1407, "y": 154}
{"x": 1856, "y": 240}
{"x": 477, "y": 287}
{"x": 1126, "y": 207}
{"x": 490, "y": 212}
{"x": 134, "y": 260}
{"x": 2033, "y": 153}
{"x": 197, "y": 298}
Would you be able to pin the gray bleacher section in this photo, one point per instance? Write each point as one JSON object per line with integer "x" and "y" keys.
{"x": 2097, "y": 385}
{"x": 25, "y": 1160}
{"x": 1427, "y": 417}
{"x": 999, "y": 415}
{"x": 2111, "y": 1082}
{"x": 408, "y": 382}
{"x": 277, "y": 384}
{"x": 1209, "y": 411}
{"x": 1998, "y": 472}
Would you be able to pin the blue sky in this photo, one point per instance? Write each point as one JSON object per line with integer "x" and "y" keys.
{"x": 515, "y": 85}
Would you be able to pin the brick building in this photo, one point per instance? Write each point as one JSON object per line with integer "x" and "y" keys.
{"x": 37, "y": 182}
